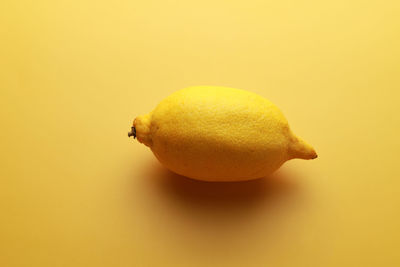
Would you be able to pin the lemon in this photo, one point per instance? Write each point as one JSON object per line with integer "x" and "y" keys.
{"x": 213, "y": 133}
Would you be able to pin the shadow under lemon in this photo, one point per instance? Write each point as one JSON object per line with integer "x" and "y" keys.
{"x": 213, "y": 214}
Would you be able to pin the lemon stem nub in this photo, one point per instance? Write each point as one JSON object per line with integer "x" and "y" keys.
{"x": 132, "y": 132}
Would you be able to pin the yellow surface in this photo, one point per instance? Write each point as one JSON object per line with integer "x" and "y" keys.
{"x": 75, "y": 191}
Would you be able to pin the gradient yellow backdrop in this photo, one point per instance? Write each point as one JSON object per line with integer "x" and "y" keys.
{"x": 75, "y": 191}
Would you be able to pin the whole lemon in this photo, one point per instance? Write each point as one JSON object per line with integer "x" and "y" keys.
{"x": 214, "y": 133}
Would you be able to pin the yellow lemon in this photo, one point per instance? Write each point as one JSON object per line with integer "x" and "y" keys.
{"x": 213, "y": 133}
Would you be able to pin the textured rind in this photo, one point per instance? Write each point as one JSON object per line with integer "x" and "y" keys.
{"x": 217, "y": 134}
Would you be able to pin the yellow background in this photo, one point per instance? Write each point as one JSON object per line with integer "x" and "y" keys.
{"x": 75, "y": 191}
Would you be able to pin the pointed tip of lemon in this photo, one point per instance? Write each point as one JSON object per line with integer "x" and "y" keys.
{"x": 316, "y": 156}
{"x": 299, "y": 149}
